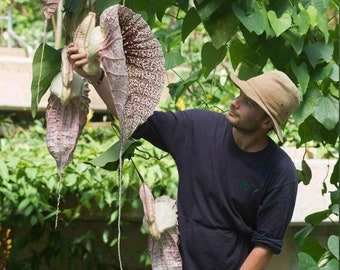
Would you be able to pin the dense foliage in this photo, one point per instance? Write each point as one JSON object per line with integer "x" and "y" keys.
{"x": 203, "y": 44}
{"x": 28, "y": 195}
{"x": 27, "y": 22}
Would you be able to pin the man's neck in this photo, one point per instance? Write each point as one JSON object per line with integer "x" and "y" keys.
{"x": 250, "y": 142}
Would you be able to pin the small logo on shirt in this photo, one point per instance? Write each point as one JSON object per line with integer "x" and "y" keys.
{"x": 245, "y": 185}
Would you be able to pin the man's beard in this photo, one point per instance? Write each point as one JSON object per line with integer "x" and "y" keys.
{"x": 243, "y": 128}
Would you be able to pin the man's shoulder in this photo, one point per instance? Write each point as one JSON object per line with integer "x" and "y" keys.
{"x": 193, "y": 114}
{"x": 202, "y": 114}
{"x": 282, "y": 160}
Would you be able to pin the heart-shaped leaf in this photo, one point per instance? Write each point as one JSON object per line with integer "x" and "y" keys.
{"x": 327, "y": 112}
{"x": 303, "y": 21}
{"x": 190, "y": 22}
{"x": 302, "y": 75}
{"x": 211, "y": 57}
{"x": 253, "y": 19}
{"x": 295, "y": 40}
{"x": 281, "y": 24}
{"x": 319, "y": 52}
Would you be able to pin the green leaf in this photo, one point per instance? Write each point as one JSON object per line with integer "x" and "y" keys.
{"x": 312, "y": 247}
{"x": 173, "y": 58}
{"x": 307, "y": 107}
{"x": 319, "y": 52}
{"x": 323, "y": 26}
{"x": 335, "y": 175}
{"x": 47, "y": 67}
{"x": 28, "y": 210}
{"x": 335, "y": 194}
{"x": 161, "y": 7}
{"x": 236, "y": 51}
{"x": 3, "y": 171}
{"x": 317, "y": 217}
{"x": 313, "y": 15}
{"x": 333, "y": 245}
{"x": 109, "y": 160}
{"x": 113, "y": 242}
{"x": 313, "y": 130}
{"x": 307, "y": 262}
{"x": 335, "y": 209}
{"x": 183, "y": 4}
{"x": 190, "y": 22}
{"x": 108, "y": 197}
{"x": 178, "y": 88}
{"x": 322, "y": 71}
{"x": 255, "y": 20}
{"x": 9, "y": 195}
{"x": 327, "y": 112}
{"x": 31, "y": 173}
{"x": 334, "y": 75}
{"x": 113, "y": 217}
{"x": 211, "y": 57}
{"x": 321, "y": 5}
{"x": 68, "y": 213}
{"x": 221, "y": 26}
{"x": 105, "y": 236}
{"x": 307, "y": 172}
{"x": 301, "y": 235}
{"x": 302, "y": 75}
{"x": 70, "y": 179}
{"x": 23, "y": 204}
{"x": 295, "y": 39}
{"x": 303, "y": 21}
{"x": 247, "y": 71}
{"x": 281, "y": 24}
{"x": 206, "y": 8}
{"x": 241, "y": 53}
{"x": 301, "y": 177}
{"x": 279, "y": 52}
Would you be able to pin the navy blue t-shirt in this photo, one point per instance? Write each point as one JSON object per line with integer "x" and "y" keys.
{"x": 228, "y": 200}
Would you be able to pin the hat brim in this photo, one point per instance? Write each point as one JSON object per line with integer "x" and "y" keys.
{"x": 245, "y": 87}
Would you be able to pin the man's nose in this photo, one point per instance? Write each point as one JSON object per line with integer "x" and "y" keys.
{"x": 235, "y": 103}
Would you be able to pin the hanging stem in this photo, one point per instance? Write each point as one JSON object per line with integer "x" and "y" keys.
{"x": 139, "y": 175}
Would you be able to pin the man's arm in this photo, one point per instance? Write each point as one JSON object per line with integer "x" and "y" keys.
{"x": 103, "y": 90}
{"x": 78, "y": 60}
{"x": 258, "y": 259}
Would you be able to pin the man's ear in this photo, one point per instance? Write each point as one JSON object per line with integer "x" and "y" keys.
{"x": 267, "y": 123}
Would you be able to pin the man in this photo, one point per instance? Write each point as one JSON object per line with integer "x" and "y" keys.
{"x": 237, "y": 188}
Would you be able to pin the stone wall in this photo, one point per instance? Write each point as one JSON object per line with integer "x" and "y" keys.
{"x": 15, "y": 85}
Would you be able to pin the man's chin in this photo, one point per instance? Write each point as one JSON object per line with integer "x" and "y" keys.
{"x": 231, "y": 117}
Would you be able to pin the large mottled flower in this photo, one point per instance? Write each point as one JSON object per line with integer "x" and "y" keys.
{"x": 133, "y": 61}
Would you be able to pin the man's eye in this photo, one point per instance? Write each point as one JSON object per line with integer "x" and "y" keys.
{"x": 248, "y": 102}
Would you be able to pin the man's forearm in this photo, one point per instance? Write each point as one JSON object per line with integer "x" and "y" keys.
{"x": 103, "y": 90}
{"x": 258, "y": 259}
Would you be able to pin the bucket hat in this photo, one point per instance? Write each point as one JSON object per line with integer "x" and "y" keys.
{"x": 274, "y": 92}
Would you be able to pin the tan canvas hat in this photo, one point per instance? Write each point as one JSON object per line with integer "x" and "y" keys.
{"x": 274, "y": 92}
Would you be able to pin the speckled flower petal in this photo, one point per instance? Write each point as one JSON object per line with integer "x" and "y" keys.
{"x": 133, "y": 60}
{"x": 64, "y": 124}
{"x": 50, "y": 7}
{"x": 164, "y": 253}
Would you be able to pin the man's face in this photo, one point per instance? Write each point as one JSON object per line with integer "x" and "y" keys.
{"x": 245, "y": 115}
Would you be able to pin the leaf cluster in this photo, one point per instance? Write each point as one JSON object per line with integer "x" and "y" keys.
{"x": 29, "y": 193}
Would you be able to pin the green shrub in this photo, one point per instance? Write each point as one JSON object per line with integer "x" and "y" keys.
{"x": 29, "y": 194}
